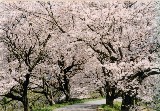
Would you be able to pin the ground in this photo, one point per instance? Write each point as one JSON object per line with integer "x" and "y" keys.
{"x": 86, "y": 106}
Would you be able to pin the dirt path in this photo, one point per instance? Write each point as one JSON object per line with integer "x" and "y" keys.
{"x": 87, "y": 106}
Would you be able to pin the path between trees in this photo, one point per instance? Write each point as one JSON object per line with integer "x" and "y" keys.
{"x": 86, "y": 106}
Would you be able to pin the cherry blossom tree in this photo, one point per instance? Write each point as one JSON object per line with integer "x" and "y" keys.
{"x": 26, "y": 50}
{"x": 121, "y": 37}
{"x": 68, "y": 61}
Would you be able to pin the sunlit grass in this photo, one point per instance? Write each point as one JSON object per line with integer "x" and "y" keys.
{"x": 116, "y": 107}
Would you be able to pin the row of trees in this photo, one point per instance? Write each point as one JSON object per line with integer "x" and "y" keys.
{"x": 48, "y": 46}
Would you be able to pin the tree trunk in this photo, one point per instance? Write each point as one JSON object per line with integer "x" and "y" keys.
{"x": 67, "y": 93}
{"x": 110, "y": 95}
{"x": 25, "y": 92}
{"x": 66, "y": 88}
{"x": 127, "y": 102}
{"x": 25, "y": 105}
{"x": 51, "y": 101}
{"x": 109, "y": 101}
{"x": 101, "y": 91}
{"x": 68, "y": 96}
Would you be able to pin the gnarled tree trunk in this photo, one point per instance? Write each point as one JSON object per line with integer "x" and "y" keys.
{"x": 110, "y": 94}
{"x": 25, "y": 92}
{"x": 66, "y": 88}
{"x": 127, "y": 102}
{"x": 109, "y": 101}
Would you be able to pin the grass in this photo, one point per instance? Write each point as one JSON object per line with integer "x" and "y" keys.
{"x": 116, "y": 107}
{"x": 73, "y": 101}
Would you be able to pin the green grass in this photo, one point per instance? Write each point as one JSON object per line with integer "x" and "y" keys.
{"x": 116, "y": 107}
{"x": 73, "y": 101}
